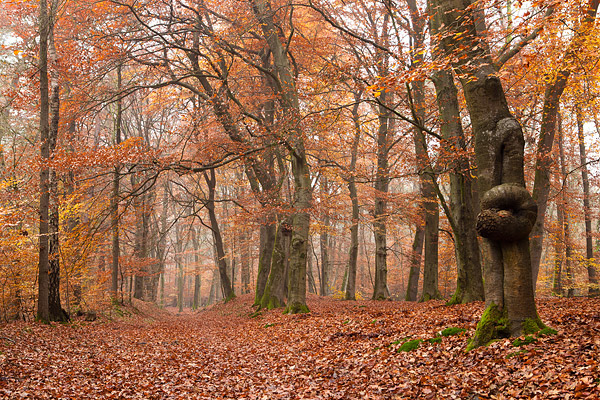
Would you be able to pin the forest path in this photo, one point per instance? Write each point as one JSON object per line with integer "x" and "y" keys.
{"x": 341, "y": 350}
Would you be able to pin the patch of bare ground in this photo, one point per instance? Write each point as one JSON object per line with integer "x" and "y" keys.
{"x": 341, "y": 350}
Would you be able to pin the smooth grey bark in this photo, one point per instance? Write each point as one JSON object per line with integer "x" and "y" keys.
{"x": 43, "y": 313}
{"x": 507, "y": 208}
{"x": 268, "y": 233}
{"x": 245, "y": 262}
{"x": 469, "y": 283}
{"x": 593, "y": 289}
{"x": 561, "y": 244}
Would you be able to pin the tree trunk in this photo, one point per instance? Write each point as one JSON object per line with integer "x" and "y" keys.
{"x": 590, "y": 263}
{"x": 218, "y": 239}
{"x": 114, "y": 200}
{"x": 412, "y": 288}
{"x": 43, "y": 313}
{"x": 197, "y": 272}
{"x": 268, "y": 232}
{"x": 353, "y": 248}
{"x": 469, "y": 284}
{"x": 54, "y": 307}
{"x": 380, "y": 290}
{"x": 274, "y": 294}
{"x": 245, "y": 261}
{"x": 508, "y": 212}
{"x": 324, "y": 245}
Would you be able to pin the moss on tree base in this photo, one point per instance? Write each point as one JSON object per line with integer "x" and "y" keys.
{"x": 296, "y": 308}
{"x": 494, "y": 324}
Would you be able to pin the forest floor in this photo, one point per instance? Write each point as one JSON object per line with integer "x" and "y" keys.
{"x": 341, "y": 350}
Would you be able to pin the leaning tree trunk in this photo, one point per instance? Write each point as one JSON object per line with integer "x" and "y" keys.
{"x": 593, "y": 289}
{"x": 507, "y": 209}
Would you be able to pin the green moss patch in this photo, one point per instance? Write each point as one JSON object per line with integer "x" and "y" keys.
{"x": 409, "y": 345}
{"x": 435, "y": 340}
{"x": 547, "y": 332}
{"x": 452, "y": 331}
{"x": 525, "y": 341}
